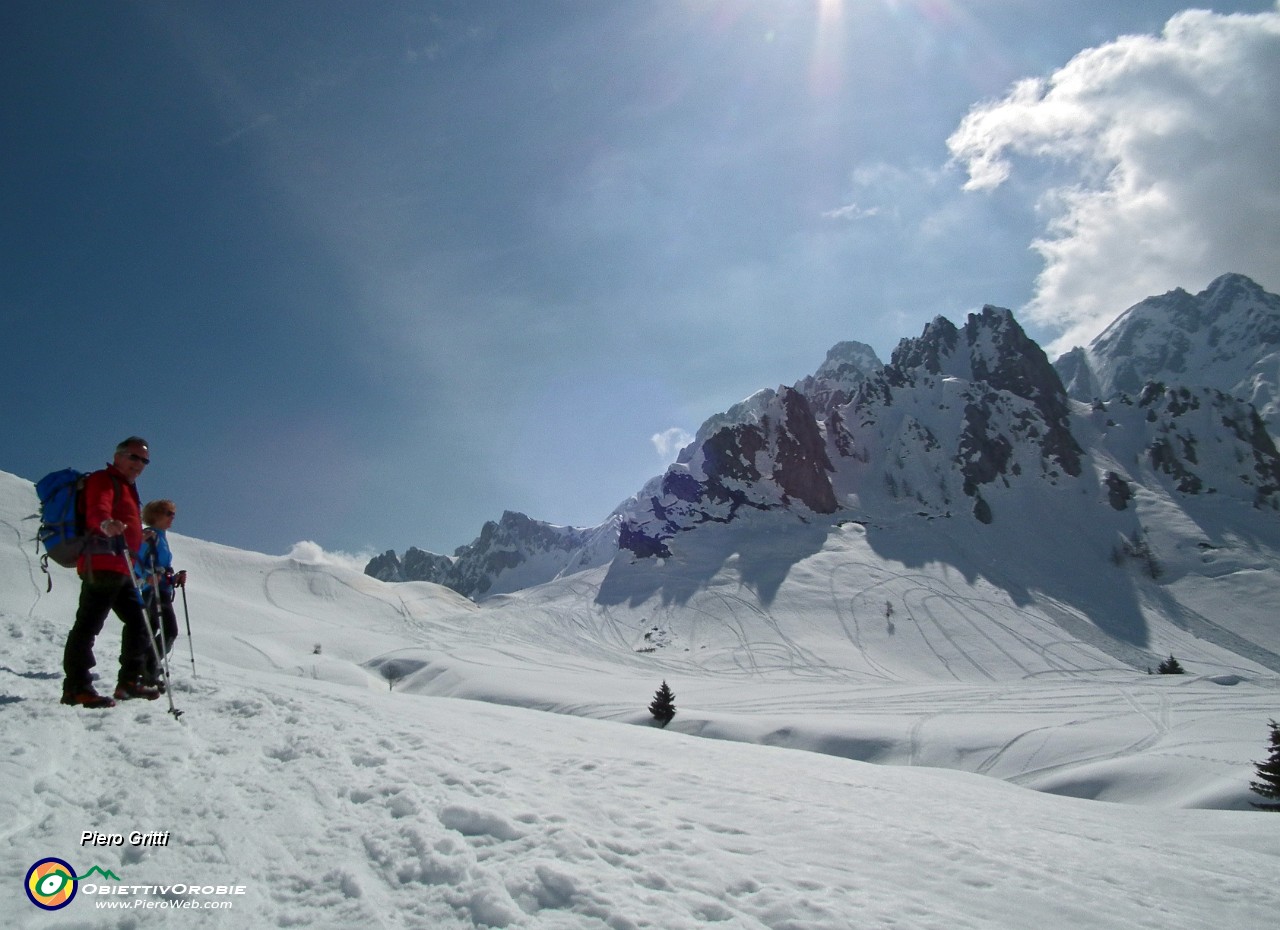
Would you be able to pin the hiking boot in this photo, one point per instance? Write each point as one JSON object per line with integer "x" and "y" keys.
{"x": 87, "y": 697}
{"x": 127, "y": 690}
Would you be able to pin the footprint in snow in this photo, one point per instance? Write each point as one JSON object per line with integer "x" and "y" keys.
{"x": 471, "y": 822}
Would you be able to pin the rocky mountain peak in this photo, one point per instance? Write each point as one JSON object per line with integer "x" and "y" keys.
{"x": 417, "y": 565}
{"x": 992, "y": 350}
{"x": 931, "y": 352}
{"x": 1227, "y": 337}
{"x": 835, "y": 382}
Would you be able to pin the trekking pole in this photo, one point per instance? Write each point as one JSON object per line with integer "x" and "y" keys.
{"x": 161, "y": 661}
{"x": 187, "y": 615}
{"x": 151, "y": 610}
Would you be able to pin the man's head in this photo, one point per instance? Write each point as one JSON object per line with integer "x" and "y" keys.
{"x": 132, "y": 455}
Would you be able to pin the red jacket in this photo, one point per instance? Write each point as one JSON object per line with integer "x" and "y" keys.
{"x": 109, "y": 495}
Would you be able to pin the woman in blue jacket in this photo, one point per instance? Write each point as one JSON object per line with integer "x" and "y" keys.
{"x": 157, "y": 581}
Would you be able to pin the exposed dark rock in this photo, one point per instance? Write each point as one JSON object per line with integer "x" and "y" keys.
{"x": 982, "y": 511}
{"x": 1118, "y": 491}
{"x": 803, "y": 467}
{"x": 984, "y": 453}
{"x": 1018, "y": 365}
{"x": 938, "y": 341}
{"x": 420, "y": 565}
{"x": 641, "y": 544}
{"x": 730, "y": 454}
{"x": 385, "y": 567}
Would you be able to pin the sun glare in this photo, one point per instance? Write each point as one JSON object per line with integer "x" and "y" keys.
{"x": 828, "y": 46}
{"x": 830, "y": 9}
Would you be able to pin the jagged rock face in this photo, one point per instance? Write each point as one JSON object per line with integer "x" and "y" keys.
{"x": 801, "y": 463}
{"x": 778, "y": 460}
{"x": 933, "y": 353}
{"x": 417, "y": 565}
{"x": 385, "y": 567}
{"x": 504, "y": 546}
{"x": 420, "y": 565}
{"x": 993, "y": 350}
{"x": 1195, "y": 441}
{"x": 956, "y": 410}
{"x": 837, "y": 379}
{"x": 1227, "y": 337}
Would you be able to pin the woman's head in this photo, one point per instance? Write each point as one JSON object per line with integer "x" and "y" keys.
{"x": 155, "y": 511}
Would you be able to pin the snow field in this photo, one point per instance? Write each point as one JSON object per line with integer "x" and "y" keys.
{"x": 344, "y": 807}
{"x": 338, "y": 801}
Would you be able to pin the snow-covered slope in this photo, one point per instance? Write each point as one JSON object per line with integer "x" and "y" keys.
{"x": 345, "y": 787}
{"x": 1227, "y": 337}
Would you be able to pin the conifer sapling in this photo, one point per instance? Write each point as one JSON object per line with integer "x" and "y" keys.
{"x": 1268, "y": 783}
{"x": 663, "y": 705}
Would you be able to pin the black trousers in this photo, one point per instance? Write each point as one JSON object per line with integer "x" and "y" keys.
{"x": 101, "y": 594}
{"x": 164, "y": 625}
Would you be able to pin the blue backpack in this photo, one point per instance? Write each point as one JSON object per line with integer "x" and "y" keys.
{"x": 62, "y": 530}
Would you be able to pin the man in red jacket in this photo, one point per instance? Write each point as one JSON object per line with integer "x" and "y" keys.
{"x": 113, "y": 521}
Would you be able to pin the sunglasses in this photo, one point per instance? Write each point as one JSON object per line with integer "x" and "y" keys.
{"x": 168, "y": 513}
{"x": 138, "y": 458}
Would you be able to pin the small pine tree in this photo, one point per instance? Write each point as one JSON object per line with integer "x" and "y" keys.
{"x": 393, "y": 672}
{"x": 663, "y": 705}
{"x": 1171, "y": 666}
{"x": 1268, "y": 783}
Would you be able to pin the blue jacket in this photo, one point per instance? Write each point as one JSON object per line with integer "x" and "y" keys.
{"x": 155, "y": 558}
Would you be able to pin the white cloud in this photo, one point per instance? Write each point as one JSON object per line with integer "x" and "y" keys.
{"x": 1171, "y": 144}
{"x": 851, "y": 211}
{"x": 669, "y": 442}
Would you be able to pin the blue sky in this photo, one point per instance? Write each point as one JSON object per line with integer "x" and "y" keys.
{"x": 368, "y": 274}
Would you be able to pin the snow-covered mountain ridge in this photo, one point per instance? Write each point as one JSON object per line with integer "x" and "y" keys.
{"x": 965, "y": 422}
{"x": 513, "y": 553}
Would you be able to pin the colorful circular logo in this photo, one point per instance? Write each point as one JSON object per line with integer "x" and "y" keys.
{"x": 51, "y": 884}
